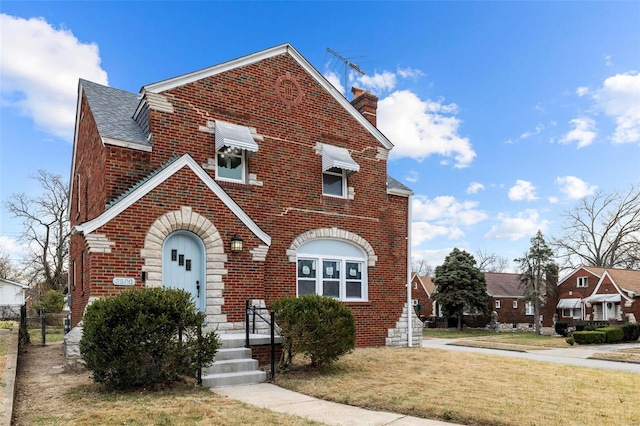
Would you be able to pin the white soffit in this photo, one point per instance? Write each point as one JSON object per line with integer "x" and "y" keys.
{"x": 334, "y": 156}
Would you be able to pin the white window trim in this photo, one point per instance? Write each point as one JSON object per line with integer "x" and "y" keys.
{"x": 243, "y": 162}
{"x": 343, "y": 276}
{"x": 343, "y": 176}
{"x": 581, "y": 280}
{"x": 515, "y": 304}
{"x": 529, "y": 309}
{"x": 497, "y": 304}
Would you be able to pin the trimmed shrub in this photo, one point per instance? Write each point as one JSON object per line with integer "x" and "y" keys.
{"x": 588, "y": 337}
{"x": 561, "y": 328}
{"x": 133, "y": 340}
{"x": 580, "y": 326}
{"x": 321, "y": 328}
{"x": 613, "y": 334}
{"x": 590, "y": 327}
{"x": 631, "y": 332}
{"x": 570, "y": 340}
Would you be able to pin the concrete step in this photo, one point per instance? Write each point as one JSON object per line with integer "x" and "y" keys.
{"x": 237, "y": 340}
{"x": 232, "y": 353}
{"x": 231, "y": 366}
{"x": 234, "y": 379}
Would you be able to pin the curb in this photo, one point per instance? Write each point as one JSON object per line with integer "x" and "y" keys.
{"x": 9, "y": 379}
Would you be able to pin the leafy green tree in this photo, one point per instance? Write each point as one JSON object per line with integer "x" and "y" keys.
{"x": 538, "y": 275}
{"x": 460, "y": 286}
{"x": 51, "y": 302}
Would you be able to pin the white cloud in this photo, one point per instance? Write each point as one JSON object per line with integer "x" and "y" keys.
{"x": 619, "y": 98}
{"x": 420, "y": 128}
{"x": 424, "y": 231}
{"x": 553, "y": 200}
{"x": 446, "y": 209}
{"x": 433, "y": 257}
{"x": 575, "y": 188}
{"x": 412, "y": 176}
{"x": 608, "y": 60}
{"x": 581, "y": 91}
{"x": 523, "y": 224}
{"x": 584, "y": 132}
{"x": 334, "y": 79}
{"x": 410, "y": 73}
{"x": 12, "y": 247}
{"x": 40, "y": 67}
{"x": 474, "y": 187}
{"x": 522, "y": 190}
{"x": 378, "y": 82}
{"x": 539, "y": 128}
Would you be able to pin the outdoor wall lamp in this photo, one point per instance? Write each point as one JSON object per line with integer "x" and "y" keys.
{"x": 236, "y": 243}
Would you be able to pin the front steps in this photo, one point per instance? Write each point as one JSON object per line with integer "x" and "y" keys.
{"x": 233, "y": 365}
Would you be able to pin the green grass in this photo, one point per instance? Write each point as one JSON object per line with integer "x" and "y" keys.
{"x": 53, "y": 334}
{"x": 7, "y": 325}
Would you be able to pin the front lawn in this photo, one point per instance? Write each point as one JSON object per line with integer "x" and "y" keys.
{"x": 472, "y": 388}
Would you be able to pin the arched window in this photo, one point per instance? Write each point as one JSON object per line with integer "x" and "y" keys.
{"x": 332, "y": 268}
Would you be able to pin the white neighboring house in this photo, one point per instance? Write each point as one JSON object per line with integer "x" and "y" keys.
{"x": 12, "y": 296}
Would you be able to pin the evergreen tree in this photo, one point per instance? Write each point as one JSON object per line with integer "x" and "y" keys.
{"x": 460, "y": 286}
{"x": 538, "y": 275}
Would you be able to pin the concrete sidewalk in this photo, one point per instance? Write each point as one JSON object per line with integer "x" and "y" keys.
{"x": 578, "y": 356}
{"x": 281, "y": 400}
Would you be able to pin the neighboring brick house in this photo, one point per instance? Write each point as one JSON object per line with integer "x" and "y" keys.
{"x": 507, "y": 300}
{"x": 261, "y": 150}
{"x": 422, "y": 288}
{"x": 599, "y": 294}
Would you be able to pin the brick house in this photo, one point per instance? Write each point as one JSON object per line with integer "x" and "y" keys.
{"x": 253, "y": 179}
{"x": 507, "y": 300}
{"x": 422, "y": 288}
{"x": 599, "y": 294}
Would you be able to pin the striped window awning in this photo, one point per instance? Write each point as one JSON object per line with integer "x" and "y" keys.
{"x": 603, "y": 298}
{"x": 234, "y": 136}
{"x": 568, "y": 304}
{"x": 336, "y": 157}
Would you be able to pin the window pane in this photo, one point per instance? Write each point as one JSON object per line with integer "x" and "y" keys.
{"x": 332, "y": 185}
{"x": 306, "y": 268}
{"x": 230, "y": 165}
{"x": 354, "y": 270}
{"x": 331, "y": 288}
{"x": 354, "y": 289}
{"x": 306, "y": 287}
{"x": 331, "y": 269}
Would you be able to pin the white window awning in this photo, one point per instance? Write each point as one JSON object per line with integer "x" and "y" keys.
{"x": 234, "y": 136}
{"x": 572, "y": 303}
{"x": 334, "y": 156}
{"x": 603, "y": 298}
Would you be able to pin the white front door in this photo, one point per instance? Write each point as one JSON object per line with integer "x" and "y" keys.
{"x": 183, "y": 265}
{"x": 609, "y": 310}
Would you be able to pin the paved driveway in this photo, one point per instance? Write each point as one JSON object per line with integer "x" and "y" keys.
{"x": 576, "y": 355}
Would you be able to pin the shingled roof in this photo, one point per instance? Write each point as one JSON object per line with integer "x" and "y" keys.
{"x": 503, "y": 284}
{"x": 628, "y": 279}
{"x": 113, "y": 111}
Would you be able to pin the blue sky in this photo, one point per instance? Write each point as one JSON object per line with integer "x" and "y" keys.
{"x": 503, "y": 114}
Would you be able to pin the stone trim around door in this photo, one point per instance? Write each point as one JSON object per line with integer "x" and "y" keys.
{"x": 187, "y": 220}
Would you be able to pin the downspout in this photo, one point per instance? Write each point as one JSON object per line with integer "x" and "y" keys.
{"x": 409, "y": 307}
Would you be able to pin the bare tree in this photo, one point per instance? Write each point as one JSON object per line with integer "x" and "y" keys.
{"x": 46, "y": 230}
{"x": 491, "y": 262}
{"x": 602, "y": 230}
{"x": 422, "y": 267}
{"x": 8, "y": 269}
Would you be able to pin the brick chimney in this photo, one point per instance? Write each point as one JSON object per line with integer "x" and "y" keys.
{"x": 365, "y": 103}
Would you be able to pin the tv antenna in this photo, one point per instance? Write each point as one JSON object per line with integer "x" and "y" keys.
{"x": 347, "y": 64}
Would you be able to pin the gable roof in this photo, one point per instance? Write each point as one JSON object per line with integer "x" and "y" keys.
{"x": 503, "y": 284}
{"x": 394, "y": 187}
{"x": 13, "y": 283}
{"x": 427, "y": 283}
{"x": 283, "y": 49}
{"x": 159, "y": 176}
{"x": 627, "y": 279}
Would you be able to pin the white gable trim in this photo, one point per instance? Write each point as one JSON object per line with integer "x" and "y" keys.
{"x": 185, "y": 161}
{"x": 174, "y": 82}
{"x": 583, "y": 268}
{"x": 13, "y": 283}
{"x": 618, "y": 289}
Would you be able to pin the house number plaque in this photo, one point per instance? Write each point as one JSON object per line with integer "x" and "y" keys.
{"x": 124, "y": 281}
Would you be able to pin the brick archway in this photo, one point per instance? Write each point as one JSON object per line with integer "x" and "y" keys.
{"x": 215, "y": 257}
{"x": 332, "y": 233}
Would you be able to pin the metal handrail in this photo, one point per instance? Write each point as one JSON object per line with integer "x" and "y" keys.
{"x": 271, "y": 322}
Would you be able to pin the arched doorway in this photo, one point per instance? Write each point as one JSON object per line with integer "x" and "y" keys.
{"x": 183, "y": 261}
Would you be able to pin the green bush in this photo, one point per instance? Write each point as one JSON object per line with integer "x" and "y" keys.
{"x": 321, "y": 328}
{"x": 132, "y": 340}
{"x": 631, "y": 332}
{"x": 580, "y": 326}
{"x": 613, "y": 334}
{"x": 570, "y": 340}
{"x": 590, "y": 327}
{"x": 588, "y": 337}
{"x": 51, "y": 302}
{"x": 561, "y": 328}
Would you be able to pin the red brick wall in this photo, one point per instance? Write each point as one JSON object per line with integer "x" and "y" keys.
{"x": 508, "y": 314}
{"x": 289, "y": 203}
